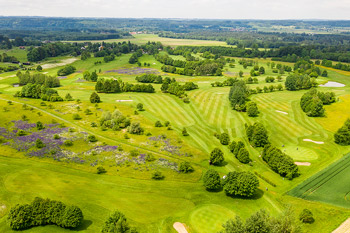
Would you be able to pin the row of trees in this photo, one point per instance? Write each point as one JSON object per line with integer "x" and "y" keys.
{"x": 117, "y": 86}
{"x": 242, "y": 184}
{"x": 280, "y": 162}
{"x": 38, "y": 91}
{"x": 150, "y": 78}
{"x": 239, "y": 151}
{"x": 43, "y": 212}
{"x": 296, "y": 82}
{"x": 41, "y": 79}
{"x": 92, "y": 77}
{"x": 312, "y": 102}
{"x": 6, "y": 58}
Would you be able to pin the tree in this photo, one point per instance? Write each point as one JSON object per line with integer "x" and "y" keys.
{"x": 306, "y": 216}
{"x": 240, "y": 73}
{"x": 116, "y": 223}
{"x": 257, "y": 135}
{"x": 92, "y": 138}
{"x": 211, "y": 180}
{"x": 258, "y": 222}
{"x": 94, "y": 98}
{"x": 342, "y": 136}
{"x": 72, "y": 217}
{"x": 68, "y": 97}
{"x": 39, "y": 125}
{"x": 238, "y": 95}
{"x": 140, "y": 107}
{"x": 185, "y": 167}
{"x": 224, "y": 139}
{"x": 135, "y": 128}
{"x": 234, "y": 226}
{"x": 101, "y": 170}
{"x": 252, "y": 109}
{"x": 39, "y": 68}
{"x": 242, "y": 184}
{"x": 243, "y": 156}
{"x": 216, "y": 156}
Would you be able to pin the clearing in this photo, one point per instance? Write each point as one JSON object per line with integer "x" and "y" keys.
{"x": 61, "y": 63}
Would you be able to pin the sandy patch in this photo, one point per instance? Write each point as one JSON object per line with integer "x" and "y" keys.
{"x": 124, "y": 100}
{"x": 179, "y": 227}
{"x": 302, "y": 163}
{"x": 332, "y": 84}
{"x": 343, "y": 228}
{"x": 286, "y": 113}
{"x": 61, "y": 63}
{"x": 309, "y": 140}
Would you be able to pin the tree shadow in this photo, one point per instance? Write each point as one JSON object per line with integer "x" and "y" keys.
{"x": 258, "y": 194}
{"x": 83, "y": 226}
{"x": 215, "y": 190}
{"x": 223, "y": 164}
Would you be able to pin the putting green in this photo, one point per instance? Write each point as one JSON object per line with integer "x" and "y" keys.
{"x": 210, "y": 218}
{"x": 299, "y": 153}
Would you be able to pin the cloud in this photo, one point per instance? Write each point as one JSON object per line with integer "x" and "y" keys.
{"x": 215, "y": 9}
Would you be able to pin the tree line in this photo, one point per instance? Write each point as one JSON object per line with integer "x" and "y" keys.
{"x": 41, "y": 79}
{"x": 118, "y": 86}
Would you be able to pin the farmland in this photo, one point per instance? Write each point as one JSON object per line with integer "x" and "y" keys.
{"x": 154, "y": 205}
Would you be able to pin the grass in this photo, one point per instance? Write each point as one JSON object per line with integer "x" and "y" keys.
{"x": 328, "y": 186}
{"x": 155, "y": 205}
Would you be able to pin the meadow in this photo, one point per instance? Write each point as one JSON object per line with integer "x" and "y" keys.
{"x": 153, "y": 206}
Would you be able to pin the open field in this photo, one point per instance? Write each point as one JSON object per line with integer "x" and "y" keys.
{"x": 329, "y": 185}
{"x": 144, "y": 38}
{"x": 154, "y": 206}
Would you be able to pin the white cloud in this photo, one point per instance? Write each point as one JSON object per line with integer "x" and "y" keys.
{"x": 227, "y": 9}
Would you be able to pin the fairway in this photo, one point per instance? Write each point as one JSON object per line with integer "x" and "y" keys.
{"x": 330, "y": 185}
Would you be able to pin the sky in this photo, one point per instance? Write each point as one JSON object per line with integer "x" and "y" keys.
{"x": 208, "y": 9}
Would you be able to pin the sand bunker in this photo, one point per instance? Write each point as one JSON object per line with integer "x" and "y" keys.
{"x": 309, "y": 140}
{"x": 286, "y": 113}
{"x": 179, "y": 227}
{"x": 343, "y": 228}
{"x": 124, "y": 100}
{"x": 302, "y": 163}
{"x": 61, "y": 63}
{"x": 332, "y": 84}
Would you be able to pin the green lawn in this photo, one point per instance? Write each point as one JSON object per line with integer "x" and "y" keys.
{"x": 154, "y": 206}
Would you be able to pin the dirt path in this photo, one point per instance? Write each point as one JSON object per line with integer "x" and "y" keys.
{"x": 61, "y": 63}
{"x": 343, "y": 228}
{"x": 179, "y": 227}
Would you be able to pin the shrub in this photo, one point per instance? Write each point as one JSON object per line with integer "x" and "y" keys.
{"x": 252, "y": 109}
{"x": 135, "y": 128}
{"x": 76, "y": 116}
{"x": 306, "y": 216}
{"x": 101, "y": 170}
{"x": 39, "y": 125}
{"x": 68, "y": 143}
{"x": 134, "y": 153}
{"x": 56, "y": 137}
{"x": 240, "y": 184}
{"x": 95, "y": 98}
{"x": 158, "y": 175}
{"x": 185, "y": 167}
{"x": 21, "y": 132}
{"x": 39, "y": 143}
{"x": 224, "y": 139}
{"x": 158, "y": 124}
{"x": 92, "y": 138}
{"x": 140, "y": 107}
{"x": 184, "y": 132}
{"x": 117, "y": 223}
{"x": 211, "y": 180}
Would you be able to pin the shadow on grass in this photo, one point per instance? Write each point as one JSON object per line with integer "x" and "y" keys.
{"x": 223, "y": 164}
{"x": 215, "y": 190}
{"x": 84, "y": 225}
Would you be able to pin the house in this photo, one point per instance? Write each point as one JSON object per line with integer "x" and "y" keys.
{"x": 22, "y": 47}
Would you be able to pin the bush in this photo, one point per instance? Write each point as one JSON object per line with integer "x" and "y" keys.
{"x": 158, "y": 124}
{"x": 135, "y": 128}
{"x": 56, "y": 137}
{"x": 43, "y": 212}
{"x": 306, "y": 216}
{"x": 68, "y": 143}
{"x": 95, "y": 98}
{"x": 243, "y": 156}
{"x": 224, "y": 139}
{"x": 92, "y": 138}
{"x": 252, "y": 109}
{"x": 21, "y": 132}
{"x": 184, "y": 132}
{"x": 76, "y": 116}
{"x": 216, "y": 157}
{"x": 158, "y": 175}
{"x": 117, "y": 223}
{"x": 140, "y": 107}
{"x": 134, "y": 153}
{"x": 211, "y": 180}
{"x": 39, "y": 144}
{"x": 257, "y": 135}
{"x": 185, "y": 167}
{"x": 101, "y": 170}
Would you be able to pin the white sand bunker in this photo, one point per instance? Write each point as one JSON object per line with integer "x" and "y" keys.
{"x": 309, "y": 140}
{"x": 179, "y": 227}
{"x": 61, "y": 63}
{"x": 332, "y": 84}
{"x": 343, "y": 228}
{"x": 124, "y": 100}
{"x": 302, "y": 163}
{"x": 286, "y": 113}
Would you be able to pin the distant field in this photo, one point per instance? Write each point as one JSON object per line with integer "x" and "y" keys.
{"x": 144, "y": 38}
{"x": 330, "y": 185}
{"x": 20, "y": 54}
